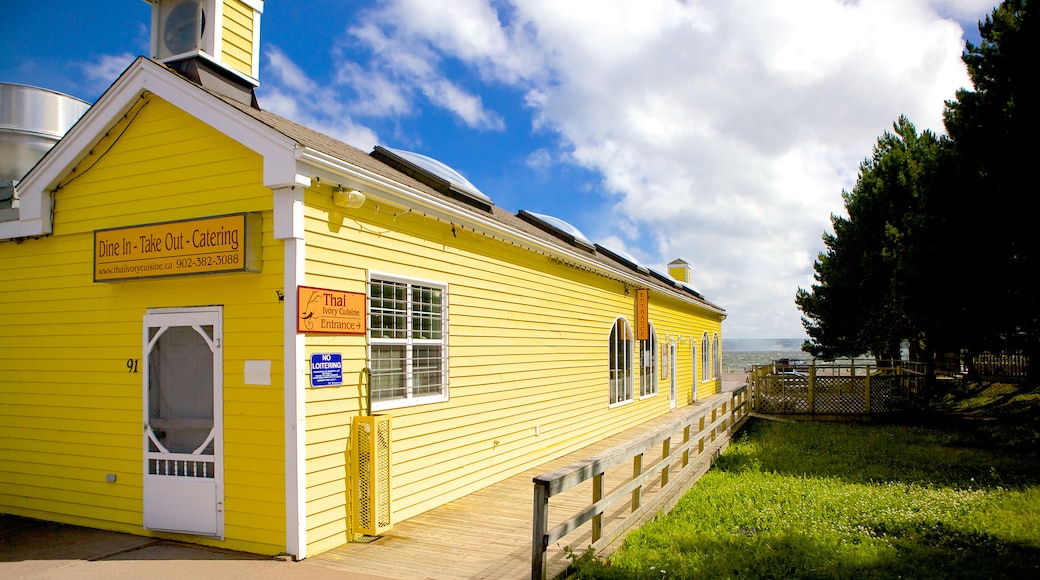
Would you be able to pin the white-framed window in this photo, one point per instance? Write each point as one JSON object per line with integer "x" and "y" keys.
{"x": 705, "y": 360}
{"x": 648, "y": 364}
{"x": 716, "y": 357}
{"x": 408, "y": 341}
{"x": 666, "y": 364}
{"x": 622, "y": 353}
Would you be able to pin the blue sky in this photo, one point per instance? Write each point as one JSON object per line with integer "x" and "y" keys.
{"x": 722, "y": 133}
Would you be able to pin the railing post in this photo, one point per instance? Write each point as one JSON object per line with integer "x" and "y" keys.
{"x": 539, "y": 530}
{"x": 685, "y": 440}
{"x": 666, "y": 450}
{"x": 866, "y": 392}
{"x": 812, "y": 388}
{"x": 637, "y": 470}
{"x": 700, "y": 441}
{"x": 597, "y": 494}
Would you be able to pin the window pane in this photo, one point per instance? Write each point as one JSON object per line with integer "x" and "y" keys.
{"x": 622, "y": 372}
{"x": 409, "y": 351}
{"x": 427, "y": 370}
{"x": 388, "y": 372}
{"x": 426, "y": 313}
{"x": 648, "y": 366}
{"x": 704, "y": 357}
{"x": 389, "y": 309}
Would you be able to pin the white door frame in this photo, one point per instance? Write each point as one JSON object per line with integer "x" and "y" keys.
{"x": 693, "y": 355}
{"x": 179, "y": 496}
{"x": 672, "y": 387}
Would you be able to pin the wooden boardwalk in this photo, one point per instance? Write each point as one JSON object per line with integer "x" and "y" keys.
{"x": 486, "y": 534}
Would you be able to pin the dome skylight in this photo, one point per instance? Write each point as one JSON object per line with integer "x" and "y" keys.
{"x": 444, "y": 178}
{"x": 623, "y": 257}
{"x": 558, "y": 227}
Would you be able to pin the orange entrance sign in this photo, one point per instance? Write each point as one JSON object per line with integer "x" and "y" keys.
{"x": 326, "y": 311}
{"x": 642, "y": 314}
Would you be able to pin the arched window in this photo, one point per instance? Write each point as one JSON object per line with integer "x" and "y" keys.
{"x": 716, "y": 362}
{"x": 705, "y": 360}
{"x": 648, "y": 364}
{"x": 622, "y": 375}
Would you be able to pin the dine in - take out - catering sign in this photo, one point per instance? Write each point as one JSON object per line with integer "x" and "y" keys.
{"x": 228, "y": 243}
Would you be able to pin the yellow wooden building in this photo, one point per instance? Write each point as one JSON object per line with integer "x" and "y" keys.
{"x": 222, "y": 327}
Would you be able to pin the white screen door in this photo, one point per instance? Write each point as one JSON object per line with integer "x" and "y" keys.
{"x": 183, "y": 426}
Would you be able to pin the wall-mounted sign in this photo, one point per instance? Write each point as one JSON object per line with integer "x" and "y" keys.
{"x": 229, "y": 243}
{"x": 326, "y": 370}
{"x": 330, "y": 311}
{"x": 642, "y": 314}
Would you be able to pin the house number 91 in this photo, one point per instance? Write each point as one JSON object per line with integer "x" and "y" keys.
{"x": 131, "y": 365}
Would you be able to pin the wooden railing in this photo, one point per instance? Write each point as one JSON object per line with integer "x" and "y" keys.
{"x": 1000, "y": 365}
{"x": 834, "y": 390}
{"x": 688, "y": 445}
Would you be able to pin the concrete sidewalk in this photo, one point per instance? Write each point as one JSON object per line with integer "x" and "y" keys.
{"x": 37, "y": 549}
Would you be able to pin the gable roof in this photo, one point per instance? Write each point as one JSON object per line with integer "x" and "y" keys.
{"x": 294, "y": 156}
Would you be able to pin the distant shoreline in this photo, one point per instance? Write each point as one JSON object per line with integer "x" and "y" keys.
{"x": 762, "y": 344}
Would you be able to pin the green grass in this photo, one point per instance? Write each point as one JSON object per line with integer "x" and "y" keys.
{"x": 954, "y": 499}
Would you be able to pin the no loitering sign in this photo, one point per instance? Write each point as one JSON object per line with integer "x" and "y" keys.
{"x": 326, "y": 369}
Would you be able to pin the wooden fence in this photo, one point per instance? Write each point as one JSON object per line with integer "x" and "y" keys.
{"x": 617, "y": 501}
{"x": 834, "y": 391}
{"x": 1000, "y": 365}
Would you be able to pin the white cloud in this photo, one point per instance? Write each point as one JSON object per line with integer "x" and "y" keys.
{"x": 101, "y": 72}
{"x": 968, "y": 11}
{"x": 409, "y": 62}
{"x": 468, "y": 107}
{"x": 289, "y": 92}
{"x": 728, "y": 129}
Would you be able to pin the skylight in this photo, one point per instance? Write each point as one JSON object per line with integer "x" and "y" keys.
{"x": 434, "y": 173}
{"x": 623, "y": 257}
{"x": 665, "y": 278}
{"x": 690, "y": 289}
{"x": 558, "y": 227}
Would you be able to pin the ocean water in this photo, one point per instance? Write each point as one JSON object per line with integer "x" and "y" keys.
{"x": 741, "y": 360}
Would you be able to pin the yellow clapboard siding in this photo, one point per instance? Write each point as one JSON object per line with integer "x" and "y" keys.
{"x": 261, "y": 512}
{"x": 252, "y": 455}
{"x": 127, "y": 517}
{"x": 321, "y": 488}
{"x": 73, "y": 336}
{"x": 332, "y": 433}
{"x": 326, "y": 521}
{"x": 527, "y": 346}
{"x": 91, "y": 481}
{"x": 58, "y": 435}
{"x": 333, "y": 462}
{"x": 331, "y": 420}
{"x": 328, "y": 531}
{"x": 264, "y": 540}
{"x": 271, "y": 500}
{"x": 88, "y": 497}
{"x": 35, "y": 461}
{"x": 238, "y": 37}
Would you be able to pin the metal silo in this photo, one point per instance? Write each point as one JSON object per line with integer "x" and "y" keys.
{"x": 32, "y": 120}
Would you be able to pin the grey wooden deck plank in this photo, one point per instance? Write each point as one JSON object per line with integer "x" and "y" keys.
{"x": 487, "y": 534}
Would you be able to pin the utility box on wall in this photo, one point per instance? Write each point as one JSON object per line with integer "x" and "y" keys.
{"x": 371, "y": 457}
